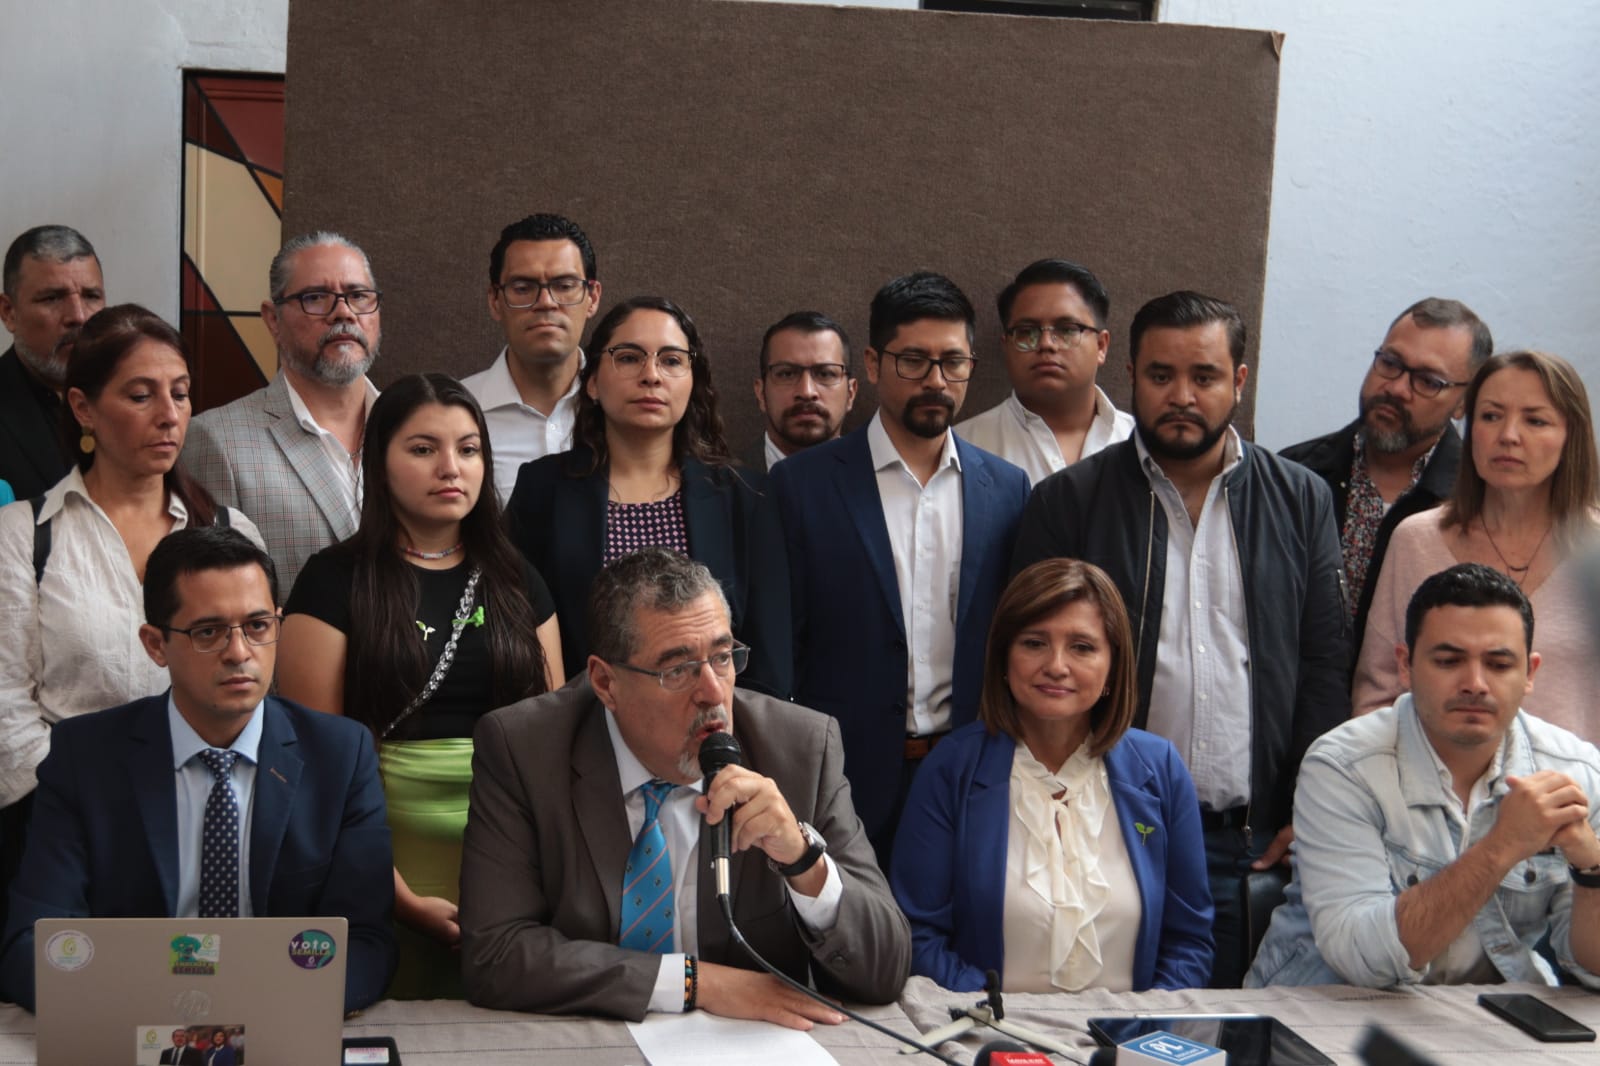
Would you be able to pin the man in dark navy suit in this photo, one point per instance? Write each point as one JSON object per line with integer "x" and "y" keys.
{"x": 212, "y": 799}
{"x": 899, "y": 537}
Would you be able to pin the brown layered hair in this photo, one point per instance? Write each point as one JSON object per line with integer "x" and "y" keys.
{"x": 1575, "y": 485}
{"x": 1035, "y": 594}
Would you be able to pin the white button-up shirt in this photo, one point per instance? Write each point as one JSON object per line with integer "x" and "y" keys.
{"x": 1200, "y": 696}
{"x": 194, "y": 781}
{"x": 69, "y": 644}
{"x": 770, "y": 450}
{"x": 680, "y": 824}
{"x": 345, "y": 463}
{"x": 1024, "y": 439}
{"x": 519, "y": 433}
{"x": 925, "y": 536}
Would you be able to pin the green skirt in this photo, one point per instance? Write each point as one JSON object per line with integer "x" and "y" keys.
{"x": 425, "y": 784}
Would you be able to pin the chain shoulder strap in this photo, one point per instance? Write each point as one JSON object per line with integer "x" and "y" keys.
{"x": 446, "y": 657}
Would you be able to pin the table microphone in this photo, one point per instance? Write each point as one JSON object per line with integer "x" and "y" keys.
{"x": 716, "y": 751}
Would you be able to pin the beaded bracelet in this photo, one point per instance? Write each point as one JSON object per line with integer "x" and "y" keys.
{"x": 691, "y": 982}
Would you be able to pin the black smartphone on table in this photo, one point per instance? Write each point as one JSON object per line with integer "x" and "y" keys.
{"x": 1536, "y": 1018}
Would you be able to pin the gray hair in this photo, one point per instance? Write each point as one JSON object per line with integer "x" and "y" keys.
{"x": 654, "y": 579}
{"x": 282, "y": 263}
{"x": 1434, "y": 312}
{"x": 57, "y": 244}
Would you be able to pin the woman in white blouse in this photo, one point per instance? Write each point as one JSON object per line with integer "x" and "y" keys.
{"x": 72, "y": 561}
{"x": 1048, "y": 841}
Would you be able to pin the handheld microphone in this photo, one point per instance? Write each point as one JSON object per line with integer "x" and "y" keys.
{"x": 716, "y": 751}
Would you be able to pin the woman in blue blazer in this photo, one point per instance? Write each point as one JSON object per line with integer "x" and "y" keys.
{"x": 1048, "y": 841}
{"x": 649, "y": 467}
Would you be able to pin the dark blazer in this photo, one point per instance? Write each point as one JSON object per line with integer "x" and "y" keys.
{"x": 188, "y": 1055}
{"x": 949, "y": 872}
{"x": 31, "y": 456}
{"x": 1331, "y": 458}
{"x": 557, "y": 516}
{"x": 547, "y": 838}
{"x": 850, "y": 639}
{"x": 104, "y": 836}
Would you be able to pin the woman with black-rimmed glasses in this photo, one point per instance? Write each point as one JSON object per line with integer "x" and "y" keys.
{"x": 650, "y": 467}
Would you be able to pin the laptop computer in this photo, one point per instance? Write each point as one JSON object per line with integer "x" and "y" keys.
{"x": 189, "y": 991}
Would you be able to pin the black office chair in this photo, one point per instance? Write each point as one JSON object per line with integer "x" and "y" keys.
{"x": 1260, "y": 892}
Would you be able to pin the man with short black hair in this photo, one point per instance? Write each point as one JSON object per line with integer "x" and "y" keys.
{"x": 543, "y": 289}
{"x": 803, "y": 385}
{"x": 1400, "y": 455}
{"x": 51, "y": 286}
{"x": 898, "y": 536}
{"x": 214, "y": 799}
{"x": 1054, "y": 317}
{"x": 289, "y": 455}
{"x": 561, "y": 914}
{"x": 1228, "y": 561}
{"x": 1440, "y": 840}
{"x": 180, "y": 1053}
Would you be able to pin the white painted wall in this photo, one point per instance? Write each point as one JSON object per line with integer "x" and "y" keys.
{"x": 91, "y": 122}
{"x": 1425, "y": 147}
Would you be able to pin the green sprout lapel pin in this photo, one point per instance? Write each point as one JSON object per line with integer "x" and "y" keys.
{"x": 1144, "y": 833}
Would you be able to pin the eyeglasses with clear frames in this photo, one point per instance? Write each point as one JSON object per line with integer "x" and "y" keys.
{"x": 523, "y": 293}
{"x": 629, "y": 360}
{"x": 1027, "y": 338}
{"x": 1423, "y": 382}
{"x": 320, "y": 302}
{"x": 915, "y": 367}
{"x": 212, "y": 637}
{"x": 725, "y": 663}
{"x": 826, "y": 375}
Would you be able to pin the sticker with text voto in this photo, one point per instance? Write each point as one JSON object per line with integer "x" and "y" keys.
{"x": 312, "y": 949}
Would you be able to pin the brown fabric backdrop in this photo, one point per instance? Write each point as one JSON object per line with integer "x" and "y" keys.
{"x": 750, "y": 159}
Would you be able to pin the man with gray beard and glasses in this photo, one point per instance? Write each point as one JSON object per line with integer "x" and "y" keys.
{"x": 289, "y": 454}
{"x": 1400, "y": 455}
{"x": 52, "y": 285}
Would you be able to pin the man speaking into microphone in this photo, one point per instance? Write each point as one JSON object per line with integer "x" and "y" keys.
{"x": 586, "y": 884}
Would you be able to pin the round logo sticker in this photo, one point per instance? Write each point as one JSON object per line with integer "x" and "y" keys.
{"x": 311, "y": 950}
{"x": 69, "y": 950}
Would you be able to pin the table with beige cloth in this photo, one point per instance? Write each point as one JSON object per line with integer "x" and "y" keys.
{"x": 1443, "y": 1023}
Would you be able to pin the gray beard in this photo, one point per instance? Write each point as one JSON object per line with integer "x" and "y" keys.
{"x": 53, "y": 372}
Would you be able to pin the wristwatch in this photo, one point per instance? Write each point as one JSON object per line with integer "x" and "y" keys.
{"x": 815, "y": 847}
{"x": 1588, "y": 877}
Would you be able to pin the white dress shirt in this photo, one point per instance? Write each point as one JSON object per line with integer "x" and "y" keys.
{"x": 519, "y": 433}
{"x": 680, "y": 824}
{"x": 70, "y": 643}
{"x": 1464, "y": 961}
{"x": 1200, "y": 696}
{"x": 346, "y": 464}
{"x": 194, "y": 781}
{"x": 769, "y": 448}
{"x": 925, "y": 536}
{"x": 1024, "y": 439}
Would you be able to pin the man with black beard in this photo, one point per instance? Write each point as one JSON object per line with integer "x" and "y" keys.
{"x": 803, "y": 386}
{"x": 1400, "y": 455}
{"x": 52, "y": 286}
{"x": 1247, "y": 664}
{"x": 898, "y": 537}
{"x": 289, "y": 455}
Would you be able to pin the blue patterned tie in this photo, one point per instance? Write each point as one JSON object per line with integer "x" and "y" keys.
{"x": 219, "y": 840}
{"x": 647, "y": 880}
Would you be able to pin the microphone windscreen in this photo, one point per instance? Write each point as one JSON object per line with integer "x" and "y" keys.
{"x": 718, "y": 750}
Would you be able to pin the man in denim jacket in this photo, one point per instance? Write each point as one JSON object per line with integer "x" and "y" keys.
{"x": 1439, "y": 839}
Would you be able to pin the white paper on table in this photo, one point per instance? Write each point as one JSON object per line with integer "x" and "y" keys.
{"x": 699, "y": 1038}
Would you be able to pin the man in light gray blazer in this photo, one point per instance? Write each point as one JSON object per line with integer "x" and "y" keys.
{"x": 570, "y": 789}
{"x": 289, "y": 455}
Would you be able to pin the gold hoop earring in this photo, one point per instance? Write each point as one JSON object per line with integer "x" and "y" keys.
{"x": 86, "y": 442}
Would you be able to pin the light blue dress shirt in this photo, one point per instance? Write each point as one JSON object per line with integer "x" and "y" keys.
{"x": 193, "y": 787}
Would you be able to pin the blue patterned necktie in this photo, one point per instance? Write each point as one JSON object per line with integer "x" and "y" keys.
{"x": 219, "y": 840}
{"x": 647, "y": 880}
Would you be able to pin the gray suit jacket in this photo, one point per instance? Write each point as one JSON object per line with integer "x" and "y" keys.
{"x": 547, "y": 837}
{"x": 252, "y": 455}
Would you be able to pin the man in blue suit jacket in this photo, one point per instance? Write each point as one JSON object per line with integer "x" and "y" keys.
{"x": 898, "y": 540}
{"x": 121, "y": 804}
